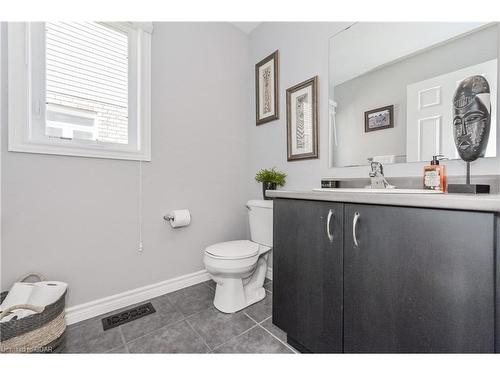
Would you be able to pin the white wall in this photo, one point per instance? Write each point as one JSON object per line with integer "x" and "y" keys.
{"x": 304, "y": 53}
{"x": 76, "y": 219}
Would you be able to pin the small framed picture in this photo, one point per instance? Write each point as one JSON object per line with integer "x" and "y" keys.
{"x": 302, "y": 120}
{"x": 380, "y": 118}
{"x": 267, "y": 89}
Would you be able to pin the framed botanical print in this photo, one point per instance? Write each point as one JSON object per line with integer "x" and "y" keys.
{"x": 267, "y": 89}
{"x": 302, "y": 120}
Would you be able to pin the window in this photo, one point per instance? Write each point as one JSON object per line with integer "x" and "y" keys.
{"x": 86, "y": 75}
{"x": 80, "y": 88}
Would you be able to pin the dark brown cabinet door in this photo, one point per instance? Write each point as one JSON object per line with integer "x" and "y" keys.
{"x": 307, "y": 273}
{"x": 419, "y": 280}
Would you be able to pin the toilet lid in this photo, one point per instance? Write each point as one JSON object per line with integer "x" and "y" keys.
{"x": 233, "y": 249}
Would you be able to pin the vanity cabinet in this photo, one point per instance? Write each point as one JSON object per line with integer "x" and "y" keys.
{"x": 418, "y": 280}
{"x": 307, "y": 273}
{"x": 408, "y": 280}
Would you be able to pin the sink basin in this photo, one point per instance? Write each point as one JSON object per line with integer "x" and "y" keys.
{"x": 381, "y": 191}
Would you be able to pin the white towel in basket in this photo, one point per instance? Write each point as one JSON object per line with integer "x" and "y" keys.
{"x": 19, "y": 294}
{"x": 46, "y": 292}
{"x": 40, "y": 294}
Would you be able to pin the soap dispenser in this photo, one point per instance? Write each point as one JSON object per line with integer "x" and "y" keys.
{"x": 435, "y": 175}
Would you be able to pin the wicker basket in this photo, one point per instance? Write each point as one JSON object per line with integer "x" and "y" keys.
{"x": 42, "y": 332}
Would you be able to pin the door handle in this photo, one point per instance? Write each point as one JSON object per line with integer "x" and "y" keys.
{"x": 354, "y": 227}
{"x": 329, "y": 218}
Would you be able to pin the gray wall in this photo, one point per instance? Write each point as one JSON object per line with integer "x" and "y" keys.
{"x": 76, "y": 219}
{"x": 387, "y": 85}
{"x": 304, "y": 53}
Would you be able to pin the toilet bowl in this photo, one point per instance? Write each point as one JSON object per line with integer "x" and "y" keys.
{"x": 239, "y": 267}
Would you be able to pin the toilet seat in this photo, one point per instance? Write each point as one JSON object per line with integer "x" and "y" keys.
{"x": 233, "y": 250}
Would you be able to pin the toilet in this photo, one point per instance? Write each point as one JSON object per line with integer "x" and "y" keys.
{"x": 239, "y": 267}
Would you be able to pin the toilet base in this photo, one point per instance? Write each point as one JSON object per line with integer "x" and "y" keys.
{"x": 228, "y": 300}
{"x": 234, "y": 294}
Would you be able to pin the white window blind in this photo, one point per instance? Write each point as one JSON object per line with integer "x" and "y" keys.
{"x": 86, "y": 68}
{"x": 80, "y": 89}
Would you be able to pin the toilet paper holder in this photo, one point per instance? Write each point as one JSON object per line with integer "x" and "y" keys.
{"x": 178, "y": 218}
{"x": 168, "y": 218}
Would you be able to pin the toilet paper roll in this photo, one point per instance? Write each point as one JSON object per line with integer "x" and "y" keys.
{"x": 180, "y": 218}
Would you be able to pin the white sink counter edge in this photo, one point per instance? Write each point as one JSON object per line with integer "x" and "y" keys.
{"x": 469, "y": 202}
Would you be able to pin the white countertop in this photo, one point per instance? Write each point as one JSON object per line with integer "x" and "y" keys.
{"x": 469, "y": 202}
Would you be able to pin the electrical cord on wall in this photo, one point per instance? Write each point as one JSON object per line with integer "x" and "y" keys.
{"x": 140, "y": 207}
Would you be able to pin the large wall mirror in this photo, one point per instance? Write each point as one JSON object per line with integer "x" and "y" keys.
{"x": 391, "y": 87}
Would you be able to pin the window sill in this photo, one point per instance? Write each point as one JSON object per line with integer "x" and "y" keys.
{"x": 79, "y": 152}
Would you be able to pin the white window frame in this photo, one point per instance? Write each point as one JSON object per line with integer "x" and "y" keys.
{"x": 26, "y": 109}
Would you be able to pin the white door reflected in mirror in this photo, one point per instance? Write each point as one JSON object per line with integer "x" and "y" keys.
{"x": 429, "y": 117}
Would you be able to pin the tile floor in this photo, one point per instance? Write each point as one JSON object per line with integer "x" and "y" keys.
{"x": 185, "y": 322}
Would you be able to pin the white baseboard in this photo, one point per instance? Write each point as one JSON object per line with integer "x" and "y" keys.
{"x": 269, "y": 273}
{"x": 104, "y": 305}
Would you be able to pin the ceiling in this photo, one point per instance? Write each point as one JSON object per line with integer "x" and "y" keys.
{"x": 246, "y": 27}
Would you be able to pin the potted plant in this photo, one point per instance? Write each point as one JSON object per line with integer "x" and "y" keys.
{"x": 270, "y": 178}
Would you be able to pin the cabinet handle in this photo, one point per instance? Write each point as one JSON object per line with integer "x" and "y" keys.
{"x": 328, "y": 233}
{"x": 354, "y": 226}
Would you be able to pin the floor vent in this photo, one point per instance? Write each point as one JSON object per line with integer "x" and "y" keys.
{"x": 127, "y": 316}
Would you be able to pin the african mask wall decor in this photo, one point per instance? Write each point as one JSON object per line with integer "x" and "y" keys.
{"x": 472, "y": 117}
{"x": 471, "y": 127}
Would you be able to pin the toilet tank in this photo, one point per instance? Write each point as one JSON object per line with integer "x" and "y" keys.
{"x": 260, "y": 217}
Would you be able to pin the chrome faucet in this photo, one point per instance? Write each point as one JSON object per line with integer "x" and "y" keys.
{"x": 377, "y": 177}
